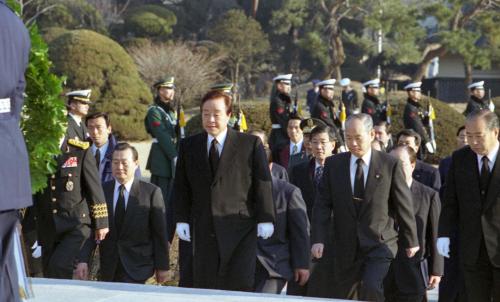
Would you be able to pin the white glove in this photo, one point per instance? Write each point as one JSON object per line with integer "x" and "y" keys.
{"x": 37, "y": 250}
{"x": 491, "y": 106}
{"x": 429, "y": 147}
{"x": 182, "y": 230}
{"x": 443, "y": 246}
{"x": 265, "y": 230}
{"x": 342, "y": 149}
{"x": 434, "y": 145}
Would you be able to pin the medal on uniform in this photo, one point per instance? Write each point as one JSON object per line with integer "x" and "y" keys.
{"x": 69, "y": 184}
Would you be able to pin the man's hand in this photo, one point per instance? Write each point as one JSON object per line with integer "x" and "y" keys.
{"x": 317, "y": 250}
{"x": 265, "y": 230}
{"x": 182, "y": 230}
{"x": 161, "y": 276}
{"x": 410, "y": 252}
{"x": 443, "y": 246}
{"x": 301, "y": 276}
{"x": 82, "y": 271}
{"x": 100, "y": 234}
{"x": 434, "y": 281}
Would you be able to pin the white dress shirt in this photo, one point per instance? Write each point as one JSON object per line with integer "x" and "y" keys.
{"x": 366, "y": 165}
{"x": 492, "y": 157}
{"x": 299, "y": 146}
{"x": 221, "y": 138}
{"x": 126, "y": 192}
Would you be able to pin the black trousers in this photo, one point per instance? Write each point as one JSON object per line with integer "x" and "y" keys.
{"x": 59, "y": 258}
{"x": 404, "y": 282}
{"x": 185, "y": 264}
{"x": 364, "y": 280}
{"x": 9, "y": 288}
{"x": 265, "y": 283}
{"x": 122, "y": 276}
{"x": 482, "y": 281}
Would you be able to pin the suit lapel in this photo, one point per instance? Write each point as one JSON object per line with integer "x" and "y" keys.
{"x": 132, "y": 204}
{"x": 201, "y": 156}
{"x": 372, "y": 180}
{"x": 471, "y": 168}
{"x": 493, "y": 188}
{"x": 346, "y": 179}
{"x": 228, "y": 152}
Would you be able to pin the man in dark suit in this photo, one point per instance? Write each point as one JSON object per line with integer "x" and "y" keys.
{"x": 103, "y": 144}
{"x": 423, "y": 173}
{"x": 383, "y": 135}
{"x": 471, "y": 201}
{"x": 307, "y": 176}
{"x": 365, "y": 191}
{"x": 294, "y": 152}
{"x": 452, "y": 286}
{"x": 285, "y": 256}
{"x": 78, "y": 107}
{"x": 15, "y": 184}
{"x": 136, "y": 246}
{"x": 223, "y": 188}
{"x": 277, "y": 170}
{"x": 409, "y": 278}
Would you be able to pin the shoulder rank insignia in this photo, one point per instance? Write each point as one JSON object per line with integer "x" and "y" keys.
{"x": 78, "y": 143}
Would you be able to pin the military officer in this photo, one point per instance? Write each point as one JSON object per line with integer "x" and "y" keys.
{"x": 327, "y": 110}
{"x": 349, "y": 97}
{"x": 224, "y": 87}
{"x": 280, "y": 109}
{"x": 78, "y": 107}
{"x": 161, "y": 122}
{"x": 69, "y": 207}
{"x": 415, "y": 117}
{"x": 477, "y": 101}
{"x": 371, "y": 104}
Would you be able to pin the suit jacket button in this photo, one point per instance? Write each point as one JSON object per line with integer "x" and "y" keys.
{"x": 54, "y": 211}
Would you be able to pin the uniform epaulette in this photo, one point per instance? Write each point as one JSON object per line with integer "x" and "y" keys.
{"x": 78, "y": 143}
{"x": 99, "y": 210}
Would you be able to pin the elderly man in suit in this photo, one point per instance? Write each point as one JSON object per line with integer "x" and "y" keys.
{"x": 364, "y": 192}
{"x": 472, "y": 202}
{"x": 409, "y": 278}
{"x": 15, "y": 185}
{"x": 136, "y": 247}
{"x": 223, "y": 188}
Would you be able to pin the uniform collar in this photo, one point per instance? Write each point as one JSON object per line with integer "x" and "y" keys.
{"x": 412, "y": 102}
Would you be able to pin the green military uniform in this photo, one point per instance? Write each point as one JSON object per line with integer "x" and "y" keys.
{"x": 69, "y": 207}
{"x": 161, "y": 122}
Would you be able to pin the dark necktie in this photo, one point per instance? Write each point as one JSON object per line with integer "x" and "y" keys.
{"x": 359, "y": 185}
{"x": 213, "y": 156}
{"x": 98, "y": 158}
{"x": 317, "y": 176}
{"x": 120, "y": 209}
{"x": 484, "y": 178}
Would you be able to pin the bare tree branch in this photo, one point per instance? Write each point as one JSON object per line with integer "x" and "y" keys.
{"x": 40, "y": 12}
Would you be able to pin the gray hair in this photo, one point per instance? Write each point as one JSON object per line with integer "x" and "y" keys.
{"x": 364, "y": 118}
{"x": 490, "y": 118}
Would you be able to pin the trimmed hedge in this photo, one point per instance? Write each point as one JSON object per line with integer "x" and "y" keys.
{"x": 91, "y": 60}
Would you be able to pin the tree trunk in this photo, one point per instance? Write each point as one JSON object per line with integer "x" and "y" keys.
{"x": 422, "y": 66}
{"x": 337, "y": 55}
{"x": 468, "y": 78}
{"x": 236, "y": 78}
{"x": 255, "y": 7}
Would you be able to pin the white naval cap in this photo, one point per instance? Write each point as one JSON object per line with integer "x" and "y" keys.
{"x": 80, "y": 95}
{"x": 476, "y": 85}
{"x": 372, "y": 83}
{"x": 286, "y": 78}
{"x": 327, "y": 83}
{"x": 413, "y": 86}
{"x": 345, "y": 82}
